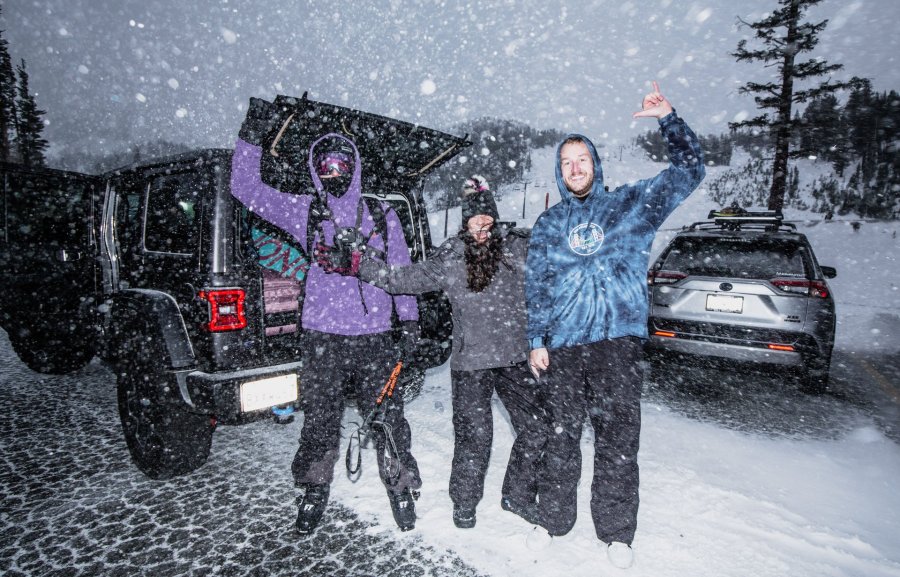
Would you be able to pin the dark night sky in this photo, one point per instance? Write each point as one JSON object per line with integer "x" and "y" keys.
{"x": 110, "y": 73}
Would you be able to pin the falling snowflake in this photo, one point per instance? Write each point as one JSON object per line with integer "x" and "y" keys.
{"x": 427, "y": 87}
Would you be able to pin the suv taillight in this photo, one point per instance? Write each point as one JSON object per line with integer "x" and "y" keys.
{"x": 226, "y": 309}
{"x": 664, "y": 277}
{"x": 813, "y": 288}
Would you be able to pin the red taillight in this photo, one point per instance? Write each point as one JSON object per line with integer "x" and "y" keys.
{"x": 813, "y": 288}
{"x": 226, "y": 309}
{"x": 664, "y": 277}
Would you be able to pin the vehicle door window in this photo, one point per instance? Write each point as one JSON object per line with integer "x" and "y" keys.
{"x": 404, "y": 211}
{"x": 46, "y": 210}
{"x": 173, "y": 214}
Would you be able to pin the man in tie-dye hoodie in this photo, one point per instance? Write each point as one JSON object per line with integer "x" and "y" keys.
{"x": 586, "y": 294}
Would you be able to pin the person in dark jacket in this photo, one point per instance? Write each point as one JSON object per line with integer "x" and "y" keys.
{"x": 346, "y": 322}
{"x": 586, "y": 294}
{"x": 482, "y": 271}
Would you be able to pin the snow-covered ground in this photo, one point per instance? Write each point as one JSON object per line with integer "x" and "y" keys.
{"x": 714, "y": 501}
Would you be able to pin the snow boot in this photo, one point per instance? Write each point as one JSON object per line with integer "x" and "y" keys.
{"x": 463, "y": 517}
{"x": 310, "y": 506}
{"x": 527, "y": 512}
{"x": 538, "y": 539}
{"x": 403, "y": 506}
{"x": 620, "y": 555}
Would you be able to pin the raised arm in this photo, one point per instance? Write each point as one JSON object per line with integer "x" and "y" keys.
{"x": 664, "y": 192}
{"x": 288, "y": 212}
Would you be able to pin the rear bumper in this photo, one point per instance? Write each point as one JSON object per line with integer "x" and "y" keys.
{"x": 219, "y": 394}
{"x": 738, "y": 343}
{"x": 723, "y": 352}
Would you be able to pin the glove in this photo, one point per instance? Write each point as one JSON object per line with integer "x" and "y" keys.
{"x": 409, "y": 341}
{"x": 475, "y": 183}
{"x": 340, "y": 259}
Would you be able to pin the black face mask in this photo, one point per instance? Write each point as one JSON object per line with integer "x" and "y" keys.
{"x": 336, "y": 186}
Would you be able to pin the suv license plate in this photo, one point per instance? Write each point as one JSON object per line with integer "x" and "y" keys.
{"x": 725, "y": 303}
{"x": 265, "y": 393}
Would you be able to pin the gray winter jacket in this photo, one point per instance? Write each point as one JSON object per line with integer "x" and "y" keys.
{"x": 488, "y": 327}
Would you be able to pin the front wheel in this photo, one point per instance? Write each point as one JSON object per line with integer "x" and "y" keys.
{"x": 52, "y": 354}
{"x": 165, "y": 438}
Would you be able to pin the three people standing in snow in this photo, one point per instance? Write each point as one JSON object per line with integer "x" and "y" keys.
{"x": 574, "y": 349}
{"x": 586, "y": 294}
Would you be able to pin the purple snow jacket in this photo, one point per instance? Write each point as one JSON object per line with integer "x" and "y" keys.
{"x": 333, "y": 303}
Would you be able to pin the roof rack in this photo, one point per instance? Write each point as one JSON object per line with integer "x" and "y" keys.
{"x": 735, "y": 217}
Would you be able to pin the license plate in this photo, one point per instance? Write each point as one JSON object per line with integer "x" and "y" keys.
{"x": 265, "y": 393}
{"x": 725, "y": 303}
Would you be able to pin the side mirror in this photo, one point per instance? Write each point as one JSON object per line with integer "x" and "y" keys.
{"x": 829, "y": 271}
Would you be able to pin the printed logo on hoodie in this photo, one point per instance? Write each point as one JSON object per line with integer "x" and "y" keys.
{"x": 586, "y": 238}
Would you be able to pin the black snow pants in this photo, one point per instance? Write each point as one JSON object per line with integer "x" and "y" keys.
{"x": 362, "y": 363}
{"x": 604, "y": 379}
{"x": 473, "y": 432}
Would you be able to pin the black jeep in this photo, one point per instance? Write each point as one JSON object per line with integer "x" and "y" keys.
{"x": 156, "y": 268}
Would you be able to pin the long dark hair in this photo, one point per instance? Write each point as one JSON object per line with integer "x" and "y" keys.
{"x": 482, "y": 260}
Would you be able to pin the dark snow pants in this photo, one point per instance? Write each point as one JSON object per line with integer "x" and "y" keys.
{"x": 363, "y": 365}
{"x": 473, "y": 432}
{"x": 604, "y": 379}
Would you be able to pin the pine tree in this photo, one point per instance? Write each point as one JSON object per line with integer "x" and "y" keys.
{"x": 861, "y": 117}
{"x": 29, "y": 125}
{"x": 784, "y": 36}
{"x": 7, "y": 101}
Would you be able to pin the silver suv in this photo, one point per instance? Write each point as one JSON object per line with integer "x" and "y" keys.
{"x": 743, "y": 287}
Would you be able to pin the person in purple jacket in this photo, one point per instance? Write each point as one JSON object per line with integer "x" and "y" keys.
{"x": 346, "y": 323}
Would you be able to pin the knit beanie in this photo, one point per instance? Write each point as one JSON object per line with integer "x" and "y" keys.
{"x": 477, "y": 199}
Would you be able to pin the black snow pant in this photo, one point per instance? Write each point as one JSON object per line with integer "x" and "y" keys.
{"x": 363, "y": 364}
{"x": 604, "y": 379}
{"x": 473, "y": 432}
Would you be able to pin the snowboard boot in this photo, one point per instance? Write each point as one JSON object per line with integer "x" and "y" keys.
{"x": 463, "y": 517}
{"x": 620, "y": 555}
{"x": 403, "y": 506}
{"x": 527, "y": 512}
{"x": 310, "y": 506}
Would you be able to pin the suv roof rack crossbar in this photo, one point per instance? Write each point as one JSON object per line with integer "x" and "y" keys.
{"x": 725, "y": 224}
{"x": 734, "y": 217}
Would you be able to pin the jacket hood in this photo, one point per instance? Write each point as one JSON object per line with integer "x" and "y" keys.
{"x": 598, "y": 187}
{"x": 343, "y": 207}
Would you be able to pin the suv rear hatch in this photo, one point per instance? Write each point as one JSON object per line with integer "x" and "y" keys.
{"x": 750, "y": 288}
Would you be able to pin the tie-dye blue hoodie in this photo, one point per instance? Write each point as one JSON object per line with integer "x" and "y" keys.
{"x": 586, "y": 272}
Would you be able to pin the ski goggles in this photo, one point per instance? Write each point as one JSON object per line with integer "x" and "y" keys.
{"x": 329, "y": 162}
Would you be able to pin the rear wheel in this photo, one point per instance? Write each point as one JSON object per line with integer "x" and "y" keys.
{"x": 165, "y": 438}
{"x": 814, "y": 383}
{"x": 814, "y": 378}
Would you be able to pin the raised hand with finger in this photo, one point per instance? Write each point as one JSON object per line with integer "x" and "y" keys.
{"x": 654, "y": 105}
